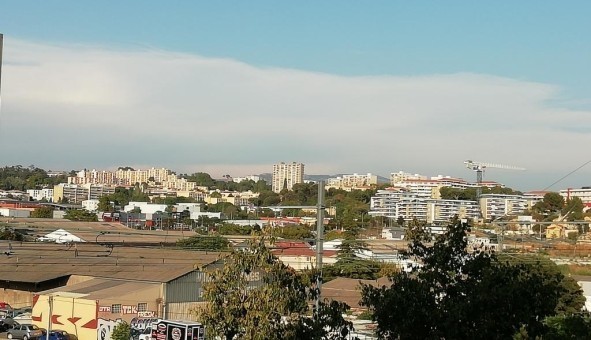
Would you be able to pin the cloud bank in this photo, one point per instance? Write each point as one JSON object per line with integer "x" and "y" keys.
{"x": 70, "y": 106}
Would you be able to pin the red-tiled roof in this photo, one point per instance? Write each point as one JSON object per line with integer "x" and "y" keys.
{"x": 291, "y": 244}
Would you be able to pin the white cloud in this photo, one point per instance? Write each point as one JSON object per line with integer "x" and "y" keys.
{"x": 86, "y": 106}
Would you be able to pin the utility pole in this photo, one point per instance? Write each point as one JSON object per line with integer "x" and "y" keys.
{"x": 319, "y": 240}
{"x": 50, "y": 316}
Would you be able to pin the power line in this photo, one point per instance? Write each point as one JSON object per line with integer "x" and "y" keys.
{"x": 565, "y": 176}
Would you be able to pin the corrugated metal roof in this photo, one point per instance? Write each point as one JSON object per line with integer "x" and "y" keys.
{"x": 37, "y": 262}
{"x": 349, "y": 290}
{"x": 96, "y": 289}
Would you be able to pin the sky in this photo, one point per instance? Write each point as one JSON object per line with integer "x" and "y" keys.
{"x": 342, "y": 86}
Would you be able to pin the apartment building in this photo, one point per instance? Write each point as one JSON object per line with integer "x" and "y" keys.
{"x": 75, "y": 194}
{"x": 285, "y": 175}
{"x": 494, "y": 206}
{"x": 41, "y": 194}
{"x": 240, "y": 199}
{"x": 583, "y": 193}
{"x": 127, "y": 177}
{"x": 94, "y": 177}
{"x": 180, "y": 184}
{"x": 253, "y": 178}
{"x": 403, "y": 203}
{"x": 422, "y": 183}
{"x": 354, "y": 181}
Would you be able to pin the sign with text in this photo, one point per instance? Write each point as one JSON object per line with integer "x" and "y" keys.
{"x": 129, "y": 309}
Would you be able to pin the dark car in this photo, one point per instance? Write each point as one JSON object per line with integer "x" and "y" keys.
{"x": 58, "y": 334}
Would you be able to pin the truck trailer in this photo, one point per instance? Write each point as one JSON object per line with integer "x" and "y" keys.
{"x": 177, "y": 330}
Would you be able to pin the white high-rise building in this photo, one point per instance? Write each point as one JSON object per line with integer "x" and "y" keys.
{"x": 286, "y": 175}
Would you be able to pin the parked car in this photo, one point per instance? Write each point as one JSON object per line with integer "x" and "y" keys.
{"x": 24, "y": 319}
{"x": 23, "y": 310}
{"x": 25, "y": 332}
{"x": 58, "y": 334}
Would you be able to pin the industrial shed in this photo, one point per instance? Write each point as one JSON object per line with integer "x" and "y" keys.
{"x": 33, "y": 268}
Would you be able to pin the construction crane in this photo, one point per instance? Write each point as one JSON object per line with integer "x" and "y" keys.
{"x": 479, "y": 168}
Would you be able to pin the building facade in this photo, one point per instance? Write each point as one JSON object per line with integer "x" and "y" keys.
{"x": 583, "y": 193}
{"x": 494, "y": 206}
{"x": 402, "y": 203}
{"x": 75, "y": 193}
{"x": 41, "y": 194}
{"x": 354, "y": 181}
{"x": 285, "y": 175}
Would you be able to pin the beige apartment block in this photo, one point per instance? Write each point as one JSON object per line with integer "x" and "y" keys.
{"x": 285, "y": 175}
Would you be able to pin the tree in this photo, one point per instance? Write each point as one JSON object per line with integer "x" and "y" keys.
{"x": 293, "y": 232}
{"x": 122, "y": 331}
{"x": 349, "y": 264}
{"x": 199, "y": 242}
{"x": 42, "y": 212}
{"x": 454, "y": 294}
{"x": 568, "y": 327}
{"x": 104, "y": 204}
{"x": 551, "y": 203}
{"x": 81, "y": 215}
{"x": 11, "y": 235}
{"x": 573, "y": 209}
{"x": 256, "y": 296}
{"x": 202, "y": 179}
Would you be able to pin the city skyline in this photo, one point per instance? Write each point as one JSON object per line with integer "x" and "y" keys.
{"x": 342, "y": 88}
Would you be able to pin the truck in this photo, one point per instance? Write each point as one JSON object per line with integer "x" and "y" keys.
{"x": 177, "y": 330}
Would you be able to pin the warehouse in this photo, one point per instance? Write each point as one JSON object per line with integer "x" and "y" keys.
{"x": 126, "y": 281}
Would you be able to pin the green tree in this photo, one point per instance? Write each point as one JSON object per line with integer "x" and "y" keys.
{"x": 11, "y": 235}
{"x": 256, "y": 296}
{"x": 461, "y": 295}
{"x": 293, "y": 232}
{"x": 349, "y": 264}
{"x": 573, "y": 326}
{"x": 202, "y": 179}
{"x": 42, "y": 212}
{"x": 572, "y": 300}
{"x": 122, "y": 331}
{"x": 199, "y": 242}
{"x": 573, "y": 209}
{"x": 81, "y": 215}
{"x": 551, "y": 203}
{"x": 104, "y": 204}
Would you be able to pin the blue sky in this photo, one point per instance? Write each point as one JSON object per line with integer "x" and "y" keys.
{"x": 535, "y": 50}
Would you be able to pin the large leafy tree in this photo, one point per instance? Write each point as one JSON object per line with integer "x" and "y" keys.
{"x": 81, "y": 215}
{"x": 255, "y": 296}
{"x": 573, "y": 209}
{"x": 349, "y": 264}
{"x": 199, "y": 242}
{"x": 104, "y": 204}
{"x": 455, "y": 294}
{"x": 42, "y": 212}
{"x": 551, "y": 203}
{"x": 122, "y": 331}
